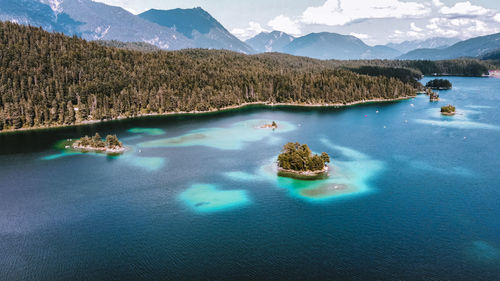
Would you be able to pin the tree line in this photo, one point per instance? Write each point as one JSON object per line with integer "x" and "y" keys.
{"x": 49, "y": 79}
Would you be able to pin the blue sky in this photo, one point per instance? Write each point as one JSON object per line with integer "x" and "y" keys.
{"x": 374, "y": 21}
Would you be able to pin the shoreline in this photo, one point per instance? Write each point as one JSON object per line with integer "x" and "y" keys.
{"x": 224, "y": 109}
{"x": 304, "y": 175}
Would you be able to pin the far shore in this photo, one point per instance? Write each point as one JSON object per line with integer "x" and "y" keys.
{"x": 228, "y": 108}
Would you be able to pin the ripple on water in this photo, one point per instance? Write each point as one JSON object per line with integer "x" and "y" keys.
{"x": 483, "y": 251}
{"x": 208, "y": 198}
{"x": 147, "y": 131}
{"x": 230, "y": 138}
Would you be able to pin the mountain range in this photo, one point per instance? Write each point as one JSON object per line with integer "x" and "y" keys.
{"x": 270, "y": 41}
{"x": 327, "y": 45}
{"x": 474, "y": 47}
{"x": 195, "y": 28}
{"x": 199, "y": 26}
{"x": 431, "y": 43}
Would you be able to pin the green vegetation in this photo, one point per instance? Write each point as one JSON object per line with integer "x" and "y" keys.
{"x": 448, "y": 110}
{"x": 49, "y": 79}
{"x": 132, "y": 46}
{"x": 298, "y": 157}
{"x": 433, "y": 96}
{"x": 459, "y": 67}
{"x": 442, "y": 84}
{"x": 96, "y": 143}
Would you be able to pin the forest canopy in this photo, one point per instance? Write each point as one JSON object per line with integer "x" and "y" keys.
{"x": 439, "y": 84}
{"x": 48, "y": 79}
{"x": 298, "y": 157}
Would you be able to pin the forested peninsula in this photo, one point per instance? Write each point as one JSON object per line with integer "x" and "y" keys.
{"x": 49, "y": 80}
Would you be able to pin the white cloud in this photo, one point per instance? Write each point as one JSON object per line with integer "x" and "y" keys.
{"x": 415, "y": 28}
{"x": 437, "y": 3}
{"x": 341, "y": 12}
{"x": 253, "y": 29}
{"x": 460, "y": 27}
{"x": 497, "y": 17}
{"x": 285, "y": 24}
{"x": 360, "y": 35}
{"x": 464, "y": 9}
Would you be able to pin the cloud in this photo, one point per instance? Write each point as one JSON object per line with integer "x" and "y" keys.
{"x": 497, "y": 17}
{"x": 285, "y": 24}
{"x": 437, "y": 3}
{"x": 415, "y": 28}
{"x": 341, "y": 12}
{"x": 460, "y": 27}
{"x": 253, "y": 29}
{"x": 360, "y": 35}
{"x": 465, "y": 9}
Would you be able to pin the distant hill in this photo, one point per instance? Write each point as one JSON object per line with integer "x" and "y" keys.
{"x": 336, "y": 46}
{"x": 492, "y": 55}
{"x": 270, "y": 41}
{"x": 431, "y": 43}
{"x": 474, "y": 47}
{"x": 199, "y": 26}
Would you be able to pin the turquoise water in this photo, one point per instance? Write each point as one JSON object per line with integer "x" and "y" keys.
{"x": 411, "y": 195}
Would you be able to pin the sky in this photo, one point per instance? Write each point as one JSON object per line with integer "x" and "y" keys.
{"x": 373, "y": 21}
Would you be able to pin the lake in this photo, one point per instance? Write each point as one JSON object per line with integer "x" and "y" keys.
{"x": 412, "y": 195}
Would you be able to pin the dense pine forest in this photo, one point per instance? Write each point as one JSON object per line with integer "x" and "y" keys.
{"x": 48, "y": 79}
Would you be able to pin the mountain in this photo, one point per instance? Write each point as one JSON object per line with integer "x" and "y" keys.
{"x": 473, "y": 47}
{"x": 199, "y": 26}
{"x": 270, "y": 41}
{"x": 36, "y": 13}
{"x": 104, "y": 22}
{"x": 336, "y": 46}
{"x": 431, "y": 43}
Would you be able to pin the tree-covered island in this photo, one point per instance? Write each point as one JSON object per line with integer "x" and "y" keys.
{"x": 433, "y": 96}
{"x": 110, "y": 145}
{"x": 297, "y": 161}
{"x": 439, "y": 84}
{"x": 448, "y": 110}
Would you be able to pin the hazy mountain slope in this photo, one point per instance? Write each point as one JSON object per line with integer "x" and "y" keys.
{"x": 35, "y": 13}
{"x": 104, "y": 22}
{"x": 198, "y": 25}
{"x": 270, "y": 41}
{"x": 336, "y": 46}
{"x": 473, "y": 47}
{"x": 431, "y": 43}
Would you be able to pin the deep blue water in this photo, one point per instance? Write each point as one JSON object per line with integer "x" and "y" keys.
{"x": 193, "y": 199}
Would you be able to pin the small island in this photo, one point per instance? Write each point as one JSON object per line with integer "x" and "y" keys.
{"x": 271, "y": 126}
{"x": 297, "y": 161}
{"x": 448, "y": 110}
{"x": 433, "y": 96}
{"x": 111, "y": 145}
{"x": 439, "y": 84}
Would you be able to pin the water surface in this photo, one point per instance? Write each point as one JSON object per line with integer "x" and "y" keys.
{"x": 413, "y": 195}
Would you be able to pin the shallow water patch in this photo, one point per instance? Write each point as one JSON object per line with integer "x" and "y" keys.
{"x": 461, "y": 120}
{"x": 147, "y": 131}
{"x": 208, "y": 198}
{"x": 231, "y": 138}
